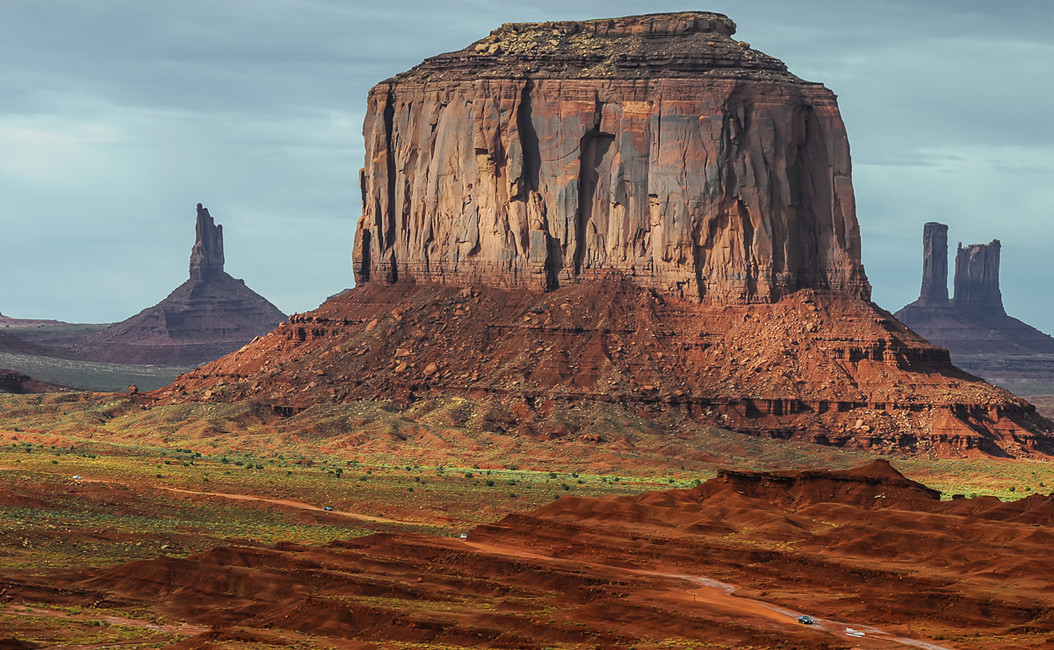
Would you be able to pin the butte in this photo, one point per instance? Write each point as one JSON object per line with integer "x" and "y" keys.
{"x": 206, "y": 317}
{"x": 641, "y": 212}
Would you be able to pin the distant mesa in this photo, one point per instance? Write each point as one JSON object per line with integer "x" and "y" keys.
{"x": 641, "y": 212}
{"x": 206, "y": 317}
{"x": 973, "y": 324}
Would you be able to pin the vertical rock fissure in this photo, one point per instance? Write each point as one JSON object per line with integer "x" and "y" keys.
{"x": 389, "y": 135}
{"x": 364, "y": 261}
{"x": 587, "y": 182}
{"x": 750, "y": 267}
{"x": 593, "y": 195}
{"x": 532, "y": 157}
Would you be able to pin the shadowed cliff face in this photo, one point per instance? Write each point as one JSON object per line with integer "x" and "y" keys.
{"x": 655, "y": 147}
{"x": 977, "y": 279}
{"x": 206, "y": 258}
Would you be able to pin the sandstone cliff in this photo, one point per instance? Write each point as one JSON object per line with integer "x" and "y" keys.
{"x": 204, "y": 318}
{"x": 655, "y": 147}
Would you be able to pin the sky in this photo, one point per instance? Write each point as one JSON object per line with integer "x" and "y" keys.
{"x": 118, "y": 116}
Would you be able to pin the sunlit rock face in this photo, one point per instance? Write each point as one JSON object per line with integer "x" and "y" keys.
{"x": 653, "y": 147}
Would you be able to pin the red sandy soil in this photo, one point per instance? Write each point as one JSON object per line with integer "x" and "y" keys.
{"x": 732, "y": 562}
{"x": 817, "y": 367}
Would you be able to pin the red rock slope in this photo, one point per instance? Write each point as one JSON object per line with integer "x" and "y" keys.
{"x": 821, "y": 367}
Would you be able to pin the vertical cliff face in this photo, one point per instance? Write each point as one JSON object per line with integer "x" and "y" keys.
{"x": 934, "y": 264}
{"x": 206, "y": 258}
{"x": 655, "y": 147}
{"x": 977, "y": 279}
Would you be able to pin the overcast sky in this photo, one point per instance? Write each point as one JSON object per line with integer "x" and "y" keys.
{"x": 118, "y": 116}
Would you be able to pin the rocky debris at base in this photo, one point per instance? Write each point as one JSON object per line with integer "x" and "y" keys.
{"x": 820, "y": 367}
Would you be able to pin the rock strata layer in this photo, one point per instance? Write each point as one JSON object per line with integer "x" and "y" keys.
{"x": 653, "y": 147}
{"x": 204, "y": 318}
{"x": 973, "y": 325}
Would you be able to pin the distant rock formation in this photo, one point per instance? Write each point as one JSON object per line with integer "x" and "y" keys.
{"x": 654, "y": 147}
{"x": 14, "y": 344}
{"x": 977, "y": 279}
{"x": 206, "y": 317}
{"x": 973, "y": 324}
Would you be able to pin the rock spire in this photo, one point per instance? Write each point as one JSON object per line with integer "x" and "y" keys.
{"x": 204, "y": 318}
{"x": 206, "y": 257}
{"x": 656, "y": 147}
{"x": 934, "y": 264}
{"x": 973, "y": 325}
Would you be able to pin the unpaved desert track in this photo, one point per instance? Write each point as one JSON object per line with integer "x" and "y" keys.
{"x": 293, "y": 503}
{"x": 722, "y": 596}
{"x": 289, "y": 503}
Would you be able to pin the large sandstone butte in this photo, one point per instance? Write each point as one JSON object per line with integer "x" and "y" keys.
{"x": 206, "y": 317}
{"x": 639, "y": 211}
{"x": 973, "y": 324}
{"x": 657, "y": 147}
